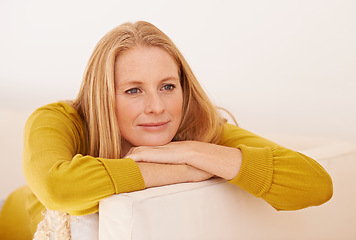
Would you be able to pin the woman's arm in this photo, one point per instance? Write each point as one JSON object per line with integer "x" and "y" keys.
{"x": 286, "y": 179}
{"x": 218, "y": 160}
{"x": 59, "y": 172}
{"x": 155, "y": 174}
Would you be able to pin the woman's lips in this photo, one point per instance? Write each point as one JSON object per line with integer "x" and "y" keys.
{"x": 154, "y": 126}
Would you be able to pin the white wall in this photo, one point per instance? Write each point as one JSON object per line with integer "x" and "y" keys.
{"x": 278, "y": 66}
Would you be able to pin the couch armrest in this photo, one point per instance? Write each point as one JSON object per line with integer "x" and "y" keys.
{"x": 180, "y": 211}
{"x": 85, "y": 227}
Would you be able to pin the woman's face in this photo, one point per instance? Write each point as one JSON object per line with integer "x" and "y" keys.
{"x": 149, "y": 97}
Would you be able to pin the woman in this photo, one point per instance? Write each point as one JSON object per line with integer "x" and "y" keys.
{"x": 141, "y": 120}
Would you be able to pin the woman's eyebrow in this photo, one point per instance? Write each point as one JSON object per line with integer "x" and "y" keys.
{"x": 130, "y": 82}
{"x": 170, "y": 78}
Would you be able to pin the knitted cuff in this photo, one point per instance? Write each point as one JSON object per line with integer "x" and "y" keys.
{"x": 256, "y": 171}
{"x": 125, "y": 174}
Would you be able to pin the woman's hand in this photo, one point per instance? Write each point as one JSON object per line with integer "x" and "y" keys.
{"x": 172, "y": 153}
{"x": 217, "y": 160}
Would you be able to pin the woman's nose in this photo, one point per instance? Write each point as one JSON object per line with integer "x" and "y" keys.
{"x": 154, "y": 104}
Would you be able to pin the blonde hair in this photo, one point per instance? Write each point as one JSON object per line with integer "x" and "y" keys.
{"x": 96, "y": 99}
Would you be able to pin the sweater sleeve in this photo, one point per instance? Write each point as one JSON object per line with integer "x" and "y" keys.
{"x": 58, "y": 173}
{"x": 286, "y": 179}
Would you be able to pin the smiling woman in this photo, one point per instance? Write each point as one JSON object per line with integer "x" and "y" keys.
{"x": 141, "y": 119}
{"x": 149, "y": 97}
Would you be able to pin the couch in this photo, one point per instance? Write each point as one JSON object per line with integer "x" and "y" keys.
{"x": 215, "y": 209}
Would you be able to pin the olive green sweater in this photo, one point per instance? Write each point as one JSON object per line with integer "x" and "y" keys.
{"x": 62, "y": 177}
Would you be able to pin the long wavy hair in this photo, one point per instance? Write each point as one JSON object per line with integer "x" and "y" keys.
{"x": 95, "y": 102}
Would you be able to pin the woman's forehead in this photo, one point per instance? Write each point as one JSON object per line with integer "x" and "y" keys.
{"x": 140, "y": 63}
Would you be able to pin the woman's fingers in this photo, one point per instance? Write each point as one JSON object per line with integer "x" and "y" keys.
{"x": 172, "y": 153}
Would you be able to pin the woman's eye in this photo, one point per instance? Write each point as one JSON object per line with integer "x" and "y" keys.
{"x": 168, "y": 87}
{"x": 132, "y": 91}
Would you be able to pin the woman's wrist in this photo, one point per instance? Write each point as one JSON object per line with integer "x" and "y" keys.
{"x": 157, "y": 174}
{"x": 219, "y": 160}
